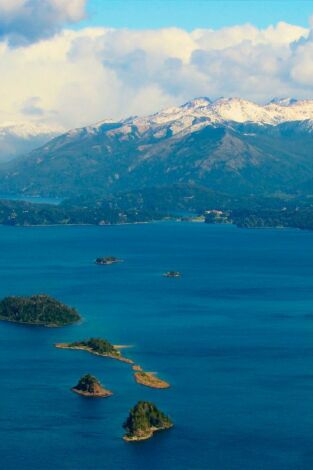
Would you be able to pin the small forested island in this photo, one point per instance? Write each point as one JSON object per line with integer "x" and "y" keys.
{"x": 89, "y": 386}
{"x": 108, "y": 260}
{"x": 97, "y": 346}
{"x": 148, "y": 378}
{"x": 40, "y": 310}
{"x": 143, "y": 420}
{"x": 172, "y": 274}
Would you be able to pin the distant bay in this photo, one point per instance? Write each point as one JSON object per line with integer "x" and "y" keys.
{"x": 33, "y": 199}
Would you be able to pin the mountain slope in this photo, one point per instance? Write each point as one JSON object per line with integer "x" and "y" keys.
{"x": 232, "y": 145}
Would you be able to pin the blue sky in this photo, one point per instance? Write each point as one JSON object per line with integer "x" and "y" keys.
{"x": 191, "y": 14}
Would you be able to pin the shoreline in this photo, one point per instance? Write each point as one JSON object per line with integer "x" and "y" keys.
{"x": 82, "y": 348}
{"x": 87, "y": 225}
{"x": 104, "y": 394}
{"x": 43, "y": 325}
{"x": 157, "y": 221}
{"x": 154, "y": 221}
{"x": 146, "y": 436}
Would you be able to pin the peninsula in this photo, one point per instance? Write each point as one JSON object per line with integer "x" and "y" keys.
{"x": 89, "y": 386}
{"x": 148, "y": 378}
{"x": 97, "y": 346}
{"x": 39, "y": 310}
{"x": 143, "y": 421}
{"x": 108, "y": 260}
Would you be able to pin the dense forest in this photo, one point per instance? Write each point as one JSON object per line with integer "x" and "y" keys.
{"x": 144, "y": 418}
{"x": 37, "y": 310}
{"x": 90, "y": 386}
{"x": 181, "y": 201}
{"x": 98, "y": 345}
{"x": 88, "y": 383}
{"x": 293, "y": 217}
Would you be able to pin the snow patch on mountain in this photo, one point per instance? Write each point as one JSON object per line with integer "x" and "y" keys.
{"x": 202, "y": 112}
{"x": 199, "y": 113}
{"x": 283, "y": 101}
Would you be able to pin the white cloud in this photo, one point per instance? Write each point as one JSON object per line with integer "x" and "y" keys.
{"x": 26, "y": 21}
{"x": 78, "y": 77}
{"x": 282, "y": 33}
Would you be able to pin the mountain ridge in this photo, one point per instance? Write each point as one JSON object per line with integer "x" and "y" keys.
{"x": 191, "y": 144}
{"x": 223, "y": 110}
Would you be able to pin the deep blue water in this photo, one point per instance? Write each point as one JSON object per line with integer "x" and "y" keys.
{"x": 234, "y": 337}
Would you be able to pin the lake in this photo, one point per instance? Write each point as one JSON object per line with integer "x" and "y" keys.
{"x": 233, "y": 336}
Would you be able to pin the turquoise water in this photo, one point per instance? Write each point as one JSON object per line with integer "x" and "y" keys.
{"x": 234, "y": 337}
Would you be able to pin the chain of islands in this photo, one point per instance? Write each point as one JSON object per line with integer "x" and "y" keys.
{"x": 42, "y": 310}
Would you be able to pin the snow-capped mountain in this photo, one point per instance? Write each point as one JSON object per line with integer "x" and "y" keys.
{"x": 230, "y": 145}
{"x": 201, "y": 112}
{"x": 20, "y": 138}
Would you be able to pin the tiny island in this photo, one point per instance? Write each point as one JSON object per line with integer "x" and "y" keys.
{"x": 148, "y": 378}
{"x": 39, "y": 310}
{"x": 90, "y": 387}
{"x": 97, "y": 346}
{"x": 172, "y": 274}
{"x": 108, "y": 260}
{"x": 143, "y": 421}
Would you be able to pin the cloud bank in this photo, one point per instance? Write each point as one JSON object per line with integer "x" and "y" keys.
{"x": 26, "y": 21}
{"x": 78, "y": 77}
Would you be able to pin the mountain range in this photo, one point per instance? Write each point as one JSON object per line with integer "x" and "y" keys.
{"x": 19, "y": 138}
{"x": 230, "y": 145}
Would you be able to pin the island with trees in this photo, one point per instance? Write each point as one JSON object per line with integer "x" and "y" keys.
{"x": 39, "y": 310}
{"x": 97, "y": 346}
{"x": 144, "y": 420}
{"x": 90, "y": 387}
{"x": 172, "y": 274}
{"x": 148, "y": 378}
{"x": 108, "y": 260}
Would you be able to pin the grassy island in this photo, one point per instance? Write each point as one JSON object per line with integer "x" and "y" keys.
{"x": 108, "y": 260}
{"x": 37, "y": 310}
{"x": 89, "y": 386}
{"x": 144, "y": 420}
{"x": 172, "y": 274}
{"x": 148, "y": 378}
{"x": 97, "y": 346}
